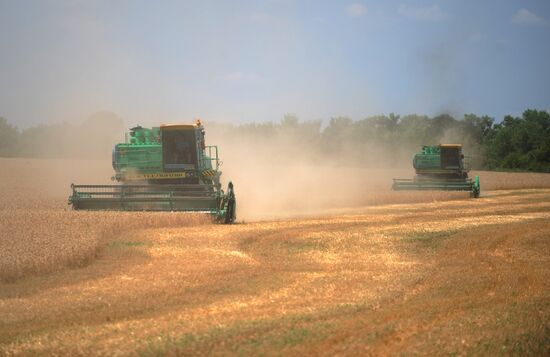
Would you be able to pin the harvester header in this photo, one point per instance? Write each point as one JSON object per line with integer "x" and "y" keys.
{"x": 165, "y": 168}
{"x": 440, "y": 168}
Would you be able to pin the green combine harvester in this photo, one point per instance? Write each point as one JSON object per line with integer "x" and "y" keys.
{"x": 440, "y": 168}
{"x": 166, "y": 168}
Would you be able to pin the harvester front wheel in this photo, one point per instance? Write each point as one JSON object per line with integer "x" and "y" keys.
{"x": 230, "y": 205}
{"x": 477, "y": 187}
{"x": 230, "y": 212}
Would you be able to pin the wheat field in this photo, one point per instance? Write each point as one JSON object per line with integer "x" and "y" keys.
{"x": 356, "y": 269}
{"x": 41, "y": 234}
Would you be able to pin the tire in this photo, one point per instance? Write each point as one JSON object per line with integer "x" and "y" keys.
{"x": 230, "y": 213}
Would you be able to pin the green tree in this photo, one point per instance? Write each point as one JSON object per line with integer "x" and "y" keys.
{"x": 9, "y": 137}
{"x": 335, "y": 138}
{"x": 520, "y": 142}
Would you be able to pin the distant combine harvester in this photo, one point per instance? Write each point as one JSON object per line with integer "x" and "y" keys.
{"x": 440, "y": 168}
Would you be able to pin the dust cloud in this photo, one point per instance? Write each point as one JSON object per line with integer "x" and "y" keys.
{"x": 283, "y": 175}
{"x": 55, "y": 155}
{"x": 45, "y": 183}
{"x": 91, "y": 138}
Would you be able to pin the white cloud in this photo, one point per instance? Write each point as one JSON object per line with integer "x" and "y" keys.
{"x": 261, "y": 17}
{"x": 428, "y": 13}
{"x": 356, "y": 10}
{"x": 502, "y": 42}
{"x": 477, "y": 37}
{"x": 240, "y": 77}
{"x": 526, "y": 17}
{"x": 233, "y": 76}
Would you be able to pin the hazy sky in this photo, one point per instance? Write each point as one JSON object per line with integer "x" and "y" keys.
{"x": 241, "y": 61}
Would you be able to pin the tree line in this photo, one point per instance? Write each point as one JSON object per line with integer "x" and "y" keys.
{"x": 91, "y": 139}
{"x": 515, "y": 143}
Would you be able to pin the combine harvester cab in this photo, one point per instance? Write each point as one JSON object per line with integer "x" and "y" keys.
{"x": 166, "y": 168}
{"x": 440, "y": 168}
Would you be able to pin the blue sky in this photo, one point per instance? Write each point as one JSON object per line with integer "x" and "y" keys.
{"x": 243, "y": 61}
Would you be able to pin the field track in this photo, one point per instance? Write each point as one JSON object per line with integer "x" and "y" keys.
{"x": 462, "y": 276}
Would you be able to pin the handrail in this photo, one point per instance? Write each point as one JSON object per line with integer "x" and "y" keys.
{"x": 211, "y": 155}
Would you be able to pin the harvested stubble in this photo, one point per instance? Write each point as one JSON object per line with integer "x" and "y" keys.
{"x": 467, "y": 277}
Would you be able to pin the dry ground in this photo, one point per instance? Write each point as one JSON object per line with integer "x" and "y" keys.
{"x": 446, "y": 276}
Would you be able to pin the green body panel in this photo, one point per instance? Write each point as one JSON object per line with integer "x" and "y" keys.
{"x": 141, "y": 157}
{"x": 427, "y": 162}
{"x": 440, "y": 160}
{"x": 138, "y": 158}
